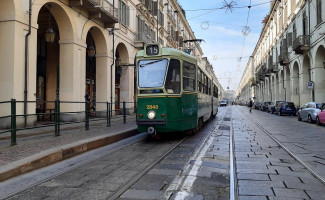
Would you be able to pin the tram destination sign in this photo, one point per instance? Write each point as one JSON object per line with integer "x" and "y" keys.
{"x": 152, "y": 50}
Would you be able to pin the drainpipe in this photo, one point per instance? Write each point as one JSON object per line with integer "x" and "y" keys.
{"x": 26, "y": 60}
{"x": 313, "y": 90}
{"x": 285, "y": 90}
{"x": 113, "y": 63}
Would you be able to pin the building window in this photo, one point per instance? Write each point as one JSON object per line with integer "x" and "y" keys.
{"x": 294, "y": 31}
{"x": 305, "y": 23}
{"x": 319, "y": 11}
{"x": 161, "y": 18}
{"x": 124, "y": 13}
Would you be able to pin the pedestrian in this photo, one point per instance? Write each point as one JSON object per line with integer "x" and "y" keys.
{"x": 250, "y": 105}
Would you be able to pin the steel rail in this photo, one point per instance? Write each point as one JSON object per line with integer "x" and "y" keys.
{"x": 132, "y": 182}
{"x": 288, "y": 151}
{"x": 233, "y": 174}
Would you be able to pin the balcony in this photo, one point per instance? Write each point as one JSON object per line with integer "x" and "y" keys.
{"x": 301, "y": 44}
{"x": 102, "y": 10}
{"x": 273, "y": 68}
{"x": 141, "y": 39}
{"x": 284, "y": 58}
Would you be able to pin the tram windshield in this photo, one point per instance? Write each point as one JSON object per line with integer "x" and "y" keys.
{"x": 152, "y": 73}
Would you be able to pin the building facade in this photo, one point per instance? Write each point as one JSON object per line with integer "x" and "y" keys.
{"x": 288, "y": 62}
{"x": 77, "y": 50}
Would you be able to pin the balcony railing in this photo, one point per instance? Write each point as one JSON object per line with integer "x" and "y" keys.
{"x": 142, "y": 37}
{"x": 284, "y": 58}
{"x": 301, "y": 44}
{"x": 100, "y": 9}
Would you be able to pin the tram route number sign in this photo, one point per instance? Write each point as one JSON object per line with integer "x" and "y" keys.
{"x": 310, "y": 85}
{"x": 152, "y": 50}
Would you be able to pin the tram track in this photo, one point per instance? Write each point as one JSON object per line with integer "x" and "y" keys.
{"x": 317, "y": 176}
{"x": 134, "y": 180}
{"x": 124, "y": 188}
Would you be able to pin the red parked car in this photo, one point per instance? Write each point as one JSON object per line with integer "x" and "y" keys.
{"x": 320, "y": 119}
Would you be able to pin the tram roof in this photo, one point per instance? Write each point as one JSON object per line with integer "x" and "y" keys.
{"x": 167, "y": 51}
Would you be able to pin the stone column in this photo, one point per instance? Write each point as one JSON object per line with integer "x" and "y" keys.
{"x": 72, "y": 79}
{"x": 103, "y": 82}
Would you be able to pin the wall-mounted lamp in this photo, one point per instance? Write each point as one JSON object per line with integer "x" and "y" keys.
{"x": 91, "y": 51}
{"x": 49, "y": 33}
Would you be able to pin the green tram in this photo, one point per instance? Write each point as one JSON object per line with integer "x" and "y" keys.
{"x": 173, "y": 93}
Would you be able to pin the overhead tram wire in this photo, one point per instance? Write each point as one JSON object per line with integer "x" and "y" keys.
{"x": 249, "y": 9}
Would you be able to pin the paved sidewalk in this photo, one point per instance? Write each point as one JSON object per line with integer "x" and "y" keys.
{"x": 39, "y": 148}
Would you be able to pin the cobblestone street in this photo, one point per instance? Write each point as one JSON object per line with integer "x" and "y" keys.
{"x": 199, "y": 166}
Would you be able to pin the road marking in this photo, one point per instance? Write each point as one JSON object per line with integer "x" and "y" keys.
{"x": 183, "y": 183}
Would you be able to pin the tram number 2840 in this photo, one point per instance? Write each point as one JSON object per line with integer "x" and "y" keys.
{"x": 150, "y": 107}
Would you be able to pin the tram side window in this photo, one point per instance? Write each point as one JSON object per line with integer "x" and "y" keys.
{"x": 173, "y": 83}
{"x": 209, "y": 86}
{"x": 215, "y": 91}
{"x": 206, "y": 85}
{"x": 189, "y": 76}
{"x": 200, "y": 81}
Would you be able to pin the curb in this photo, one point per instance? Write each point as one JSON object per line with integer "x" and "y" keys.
{"x": 54, "y": 155}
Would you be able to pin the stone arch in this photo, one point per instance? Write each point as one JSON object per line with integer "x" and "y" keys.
{"x": 63, "y": 17}
{"x": 295, "y": 86}
{"x": 97, "y": 72}
{"x": 280, "y": 83}
{"x": 123, "y": 75}
{"x": 69, "y": 49}
{"x": 305, "y": 94}
{"x": 287, "y": 84}
{"x": 273, "y": 87}
{"x": 318, "y": 74}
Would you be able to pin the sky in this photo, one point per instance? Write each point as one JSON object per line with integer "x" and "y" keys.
{"x": 222, "y": 30}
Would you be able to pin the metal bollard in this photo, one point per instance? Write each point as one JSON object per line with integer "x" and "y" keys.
{"x": 87, "y": 115}
{"x": 57, "y": 118}
{"x": 107, "y": 113}
{"x": 13, "y": 123}
{"x": 124, "y": 114}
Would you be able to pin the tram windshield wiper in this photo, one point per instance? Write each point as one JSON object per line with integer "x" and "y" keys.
{"x": 149, "y": 63}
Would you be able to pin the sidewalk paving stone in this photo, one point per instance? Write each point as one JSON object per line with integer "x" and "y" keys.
{"x": 44, "y": 149}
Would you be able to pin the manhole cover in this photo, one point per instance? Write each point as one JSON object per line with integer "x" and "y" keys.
{"x": 226, "y": 119}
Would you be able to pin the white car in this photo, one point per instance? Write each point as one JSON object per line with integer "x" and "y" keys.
{"x": 309, "y": 112}
{"x": 223, "y": 103}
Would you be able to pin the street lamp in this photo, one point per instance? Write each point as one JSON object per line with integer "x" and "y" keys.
{"x": 49, "y": 33}
{"x": 91, "y": 51}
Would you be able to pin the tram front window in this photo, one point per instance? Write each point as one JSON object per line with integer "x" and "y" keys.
{"x": 173, "y": 84}
{"x": 152, "y": 73}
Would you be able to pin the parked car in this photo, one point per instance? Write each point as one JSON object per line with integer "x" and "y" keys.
{"x": 271, "y": 106}
{"x": 309, "y": 112}
{"x": 264, "y": 106}
{"x": 320, "y": 118}
{"x": 223, "y": 103}
{"x": 256, "y": 105}
{"x": 284, "y": 107}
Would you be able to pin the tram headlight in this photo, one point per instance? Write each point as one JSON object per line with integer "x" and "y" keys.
{"x": 151, "y": 114}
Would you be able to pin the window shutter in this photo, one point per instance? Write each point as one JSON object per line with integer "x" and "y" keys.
{"x": 127, "y": 15}
{"x": 120, "y": 11}
{"x": 289, "y": 39}
{"x": 147, "y": 4}
{"x": 155, "y": 8}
